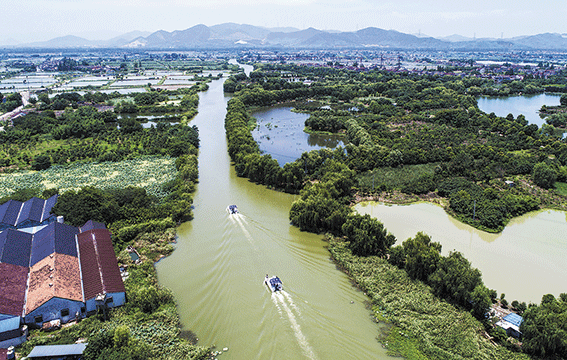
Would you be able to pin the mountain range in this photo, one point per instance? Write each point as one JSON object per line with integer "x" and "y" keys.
{"x": 231, "y": 35}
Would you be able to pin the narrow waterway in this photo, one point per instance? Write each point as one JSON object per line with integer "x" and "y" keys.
{"x": 217, "y": 270}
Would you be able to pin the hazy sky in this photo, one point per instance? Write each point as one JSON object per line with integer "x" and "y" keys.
{"x": 39, "y": 20}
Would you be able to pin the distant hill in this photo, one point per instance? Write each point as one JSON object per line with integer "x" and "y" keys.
{"x": 232, "y": 35}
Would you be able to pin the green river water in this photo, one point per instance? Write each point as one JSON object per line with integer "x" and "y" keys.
{"x": 217, "y": 270}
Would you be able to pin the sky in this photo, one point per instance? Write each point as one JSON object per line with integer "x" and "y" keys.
{"x": 26, "y": 21}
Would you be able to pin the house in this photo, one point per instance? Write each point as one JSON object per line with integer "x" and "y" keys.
{"x": 52, "y": 272}
{"x": 54, "y": 290}
{"x": 511, "y": 324}
{"x": 13, "y": 279}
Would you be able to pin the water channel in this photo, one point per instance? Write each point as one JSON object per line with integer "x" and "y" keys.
{"x": 217, "y": 270}
{"x": 525, "y": 261}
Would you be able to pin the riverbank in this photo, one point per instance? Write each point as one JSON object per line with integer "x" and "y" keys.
{"x": 424, "y": 326}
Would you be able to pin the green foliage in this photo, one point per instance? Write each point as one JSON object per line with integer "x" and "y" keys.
{"x": 420, "y": 256}
{"x": 147, "y": 172}
{"x": 367, "y": 235}
{"x": 455, "y": 279}
{"x": 41, "y": 162}
{"x": 544, "y": 176}
{"x": 431, "y": 327}
{"x": 544, "y": 328}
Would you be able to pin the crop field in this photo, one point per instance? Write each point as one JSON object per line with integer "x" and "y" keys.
{"x": 149, "y": 173}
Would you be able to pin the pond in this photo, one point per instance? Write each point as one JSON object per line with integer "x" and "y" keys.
{"x": 525, "y": 261}
{"x": 528, "y": 105}
{"x": 279, "y": 132}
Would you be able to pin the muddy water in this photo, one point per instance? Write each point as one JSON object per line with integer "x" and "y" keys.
{"x": 220, "y": 261}
{"x": 525, "y": 261}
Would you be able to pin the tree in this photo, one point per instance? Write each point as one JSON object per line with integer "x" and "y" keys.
{"x": 563, "y": 100}
{"x": 455, "y": 279}
{"x": 544, "y": 328}
{"x": 543, "y": 175}
{"x": 367, "y": 235}
{"x": 480, "y": 301}
{"x": 41, "y": 162}
{"x": 422, "y": 256}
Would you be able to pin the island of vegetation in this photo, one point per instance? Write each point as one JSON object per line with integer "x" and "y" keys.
{"x": 412, "y": 137}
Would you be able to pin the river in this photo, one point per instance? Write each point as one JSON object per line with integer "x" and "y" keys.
{"x": 217, "y": 269}
{"x": 525, "y": 261}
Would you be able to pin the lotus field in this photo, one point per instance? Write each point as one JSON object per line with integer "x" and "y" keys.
{"x": 149, "y": 173}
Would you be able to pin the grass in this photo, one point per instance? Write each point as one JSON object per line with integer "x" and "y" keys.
{"x": 149, "y": 173}
{"x": 388, "y": 178}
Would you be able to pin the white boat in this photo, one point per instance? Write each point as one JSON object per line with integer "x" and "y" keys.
{"x": 273, "y": 283}
{"x": 232, "y": 209}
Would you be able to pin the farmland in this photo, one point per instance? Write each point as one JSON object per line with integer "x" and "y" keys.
{"x": 149, "y": 173}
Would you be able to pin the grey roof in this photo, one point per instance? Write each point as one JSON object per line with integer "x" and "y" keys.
{"x": 57, "y": 350}
{"x": 13, "y": 213}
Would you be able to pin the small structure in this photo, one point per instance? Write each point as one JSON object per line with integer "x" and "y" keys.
{"x": 55, "y": 352}
{"x": 511, "y": 324}
{"x": 510, "y": 183}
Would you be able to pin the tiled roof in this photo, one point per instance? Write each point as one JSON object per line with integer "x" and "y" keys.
{"x": 31, "y": 210}
{"x": 55, "y": 237}
{"x": 90, "y": 225}
{"x": 3, "y": 354}
{"x": 35, "y": 209}
{"x": 16, "y": 247}
{"x": 57, "y": 275}
{"x": 9, "y": 212}
{"x": 13, "y": 279}
{"x": 49, "y": 204}
{"x": 98, "y": 263}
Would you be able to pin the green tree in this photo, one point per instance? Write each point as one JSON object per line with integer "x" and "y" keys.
{"x": 543, "y": 175}
{"x": 41, "y": 162}
{"x": 367, "y": 235}
{"x": 455, "y": 279}
{"x": 422, "y": 256}
{"x": 544, "y": 328}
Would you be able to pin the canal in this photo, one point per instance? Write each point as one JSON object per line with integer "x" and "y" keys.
{"x": 217, "y": 270}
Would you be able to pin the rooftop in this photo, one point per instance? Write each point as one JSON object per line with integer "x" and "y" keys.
{"x": 57, "y": 350}
{"x": 13, "y": 279}
{"x": 57, "y": 275}
{"x": 98, "y": 263}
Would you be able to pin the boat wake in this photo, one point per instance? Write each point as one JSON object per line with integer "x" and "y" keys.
{"x": 283, "y": 301}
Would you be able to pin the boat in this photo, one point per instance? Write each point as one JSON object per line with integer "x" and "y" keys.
{"x": 232, "y": 209}
{"x": 273, "y": 283}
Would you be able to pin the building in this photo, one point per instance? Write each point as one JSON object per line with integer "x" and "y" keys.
{"x": 34, "y": 212}
{"x": 101, "y": 276}
{"x": 511, "y": 324}
{"x": 52, "y": 272}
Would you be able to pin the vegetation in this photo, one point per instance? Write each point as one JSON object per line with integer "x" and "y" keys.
{"x": 150, "y": 173}
{"x": 425, "y": 327}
